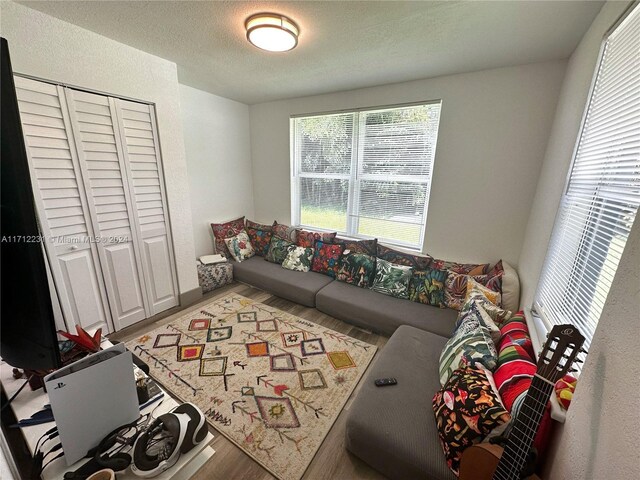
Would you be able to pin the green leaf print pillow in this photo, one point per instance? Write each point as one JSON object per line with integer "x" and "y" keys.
{"x": 392, "y": 279}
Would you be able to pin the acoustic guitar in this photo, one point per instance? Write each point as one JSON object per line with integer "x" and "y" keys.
{"x": 487, "y": 461}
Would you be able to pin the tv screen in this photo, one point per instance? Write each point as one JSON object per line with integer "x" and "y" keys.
{"x": 28, "y": 334}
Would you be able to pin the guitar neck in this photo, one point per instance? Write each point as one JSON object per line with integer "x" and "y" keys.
{"x": 523, "y": 430}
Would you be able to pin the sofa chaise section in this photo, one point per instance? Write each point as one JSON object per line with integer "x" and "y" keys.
{"x": 393, "y": 428}
{"x": 381, "y": 313}
{"x": 299, "y": 287}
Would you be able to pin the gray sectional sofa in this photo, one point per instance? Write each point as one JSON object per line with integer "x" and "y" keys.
{"x": 390, "y": 428}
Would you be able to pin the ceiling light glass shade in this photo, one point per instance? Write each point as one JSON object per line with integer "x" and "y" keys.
{"x": 272, "y": 32}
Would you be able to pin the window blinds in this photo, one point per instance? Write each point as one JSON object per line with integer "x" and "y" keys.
{"x": 602, "y": 195}
{"x": 365, "y": 173}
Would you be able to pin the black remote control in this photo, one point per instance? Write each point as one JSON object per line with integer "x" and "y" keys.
{"x": 383, "y": 382}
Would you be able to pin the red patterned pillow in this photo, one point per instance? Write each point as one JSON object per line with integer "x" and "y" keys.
{"x": 515, "y": 370}
{"x": 285, "y": 232}
{"x": 226, "y": 230}
{"x": 418, "y": 262}
{"x": 497, "y": 269}
{"x": 260, "y": 239}
{"x": 456, "y": 287}
{"x": 326, "y": 258}
{"x": 259, "y": 226}
{"x": 462, "y": 268}
{"x": 308, "y": 239}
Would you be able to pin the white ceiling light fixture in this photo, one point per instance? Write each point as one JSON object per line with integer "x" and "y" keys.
{"x": 272, "y": 32}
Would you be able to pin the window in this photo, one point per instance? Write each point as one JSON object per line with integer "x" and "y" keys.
{"x": 365, "y": 173}
{"x": 602, "y": 195}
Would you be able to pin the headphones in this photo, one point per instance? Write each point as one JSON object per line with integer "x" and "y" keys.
{"x": 158, "y": 447}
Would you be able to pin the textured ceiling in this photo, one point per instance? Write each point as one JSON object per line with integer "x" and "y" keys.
{"x": 343, "y": 44}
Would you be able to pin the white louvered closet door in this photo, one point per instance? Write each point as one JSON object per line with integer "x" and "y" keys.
{"x": 109, "y": 203}
{"x": 144, "y": 169}
{"x": 61, "y": 203}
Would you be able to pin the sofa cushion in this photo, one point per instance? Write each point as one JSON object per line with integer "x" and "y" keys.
{"x": 382, "y": 313}
{"x": 399, "y": 257}
{"x": 226, "y": 230}
{"x": 326, "y": 258}
{"x": 298, "y": 259}
{"x": 510, "y": 288}
{"x": 393, "y": 428}
{"x": 299, "y": 287}
{"x": 357, "y": 269}
{"x": 240, "y": 247}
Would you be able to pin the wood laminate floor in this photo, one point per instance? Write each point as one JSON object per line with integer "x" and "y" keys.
{"x": 229, "y": 462}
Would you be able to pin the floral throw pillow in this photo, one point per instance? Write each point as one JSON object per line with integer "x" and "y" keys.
{"x": 298, "y": 259}
{"x": 462, "y": 268}
{"x": 475, "y": 288}
{"x": 357, "y": 269}
{"x": 326, "y": 258}
{"x": 305, "y": 238}
{"x": 471, "y": 345}
{"x": 427, "y": 286}
{"x": 240, "y": 246}
{"x": 358, "y": 246}
{"x": 392, "y": 279}
{"x": 284, "y": 231}
{"x": 278, "y": 250}
{"x": 260, "y": 239}
{"x": 456, "y": 287}
{"x": 419, "y": 262}
{"x": 226, "y": 230}
{"x": 258, "y": 226}
{"x": 467, "y": 409}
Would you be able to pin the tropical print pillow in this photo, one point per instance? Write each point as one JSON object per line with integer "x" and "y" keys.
{"x": 471, "y": 345}
{"x": 456, "y": 287}
{"x": 462, "y": 268}
{"x": 278, "y": 250}
{"x": 419, "y": 262}
{"x": 260, "y": 239}
{"x": 497, "y": 314}
{"x": 427, "y": 286}
{"x": 258, "y": 226}
{"x": 284, "y": 231}
{"x": 298, "y": 259}
{"x": 467, "y": 409}
{"x": 358, "y": 246}
{"x": 226, "y": 230}
{"x": 475, "y": 310}
{"x": 475, "y": 288}
{"x": 240, "y": 246}
{"x": 357, "y": 269}
{"x": 305, "y": 238}
{"x": 326, "y": 258}
{"x": 392, "y": 279}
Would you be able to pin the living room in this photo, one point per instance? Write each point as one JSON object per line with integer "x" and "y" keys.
{"x": 501, "y": 93}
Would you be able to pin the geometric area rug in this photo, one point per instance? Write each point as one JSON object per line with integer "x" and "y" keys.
{"x": 270, "y": 382}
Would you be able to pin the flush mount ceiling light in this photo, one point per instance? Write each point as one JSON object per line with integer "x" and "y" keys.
{"x": 272, "y": 32}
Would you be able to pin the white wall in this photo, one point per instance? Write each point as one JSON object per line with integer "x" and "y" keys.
{"x": 51, "y": 49}
{"x": 600, "y": 436}
{"x": 493, "y": 132}
{"x": 218, "y": 148}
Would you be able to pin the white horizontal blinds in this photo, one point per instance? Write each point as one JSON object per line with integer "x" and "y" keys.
{"x": 397, "y": 151}
{"x": 48, "y": 145}
{"x": 603, "y": 192}
{"x": 143, "y": 164}
{"x": 366, "y": 173}
{"x": 324, "y": 146}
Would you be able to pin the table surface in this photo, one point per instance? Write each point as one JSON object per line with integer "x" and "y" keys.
{"x": 29, "y": 402}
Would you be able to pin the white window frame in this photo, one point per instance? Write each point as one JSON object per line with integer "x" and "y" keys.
{"x": 357, "y": 175}
{"x": 537, "y": 309}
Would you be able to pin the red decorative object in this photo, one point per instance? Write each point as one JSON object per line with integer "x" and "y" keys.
{"x": 83, "y": 339}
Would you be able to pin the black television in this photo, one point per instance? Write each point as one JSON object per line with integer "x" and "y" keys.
{"x": 27, "y": 327}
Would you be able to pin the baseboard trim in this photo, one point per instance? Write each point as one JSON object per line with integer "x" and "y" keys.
{"x": 190, "y": 297}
